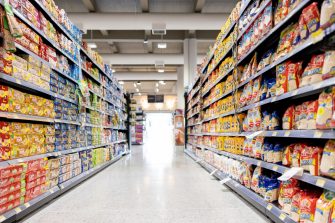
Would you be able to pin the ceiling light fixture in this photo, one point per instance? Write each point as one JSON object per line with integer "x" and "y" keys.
{"x": 138, "y": 82}
{"x": 139, "y": 93}
{"x": 157, "y": 90}
{"x": 161, "y": 45}
{"x": 113, "y": 70}
{"x": 160, "y": 70}
{"x": 145, "y": 41}
{"x": 157, "y": 84}
{"x": 135, "y": 84}
{"x": 137, "y": 90}
{"x": 92, "y": 45}
{"x": 121, "y": 82}
{"x": 162, "y": 82}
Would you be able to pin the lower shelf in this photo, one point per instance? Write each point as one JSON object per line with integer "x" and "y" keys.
{"x": 29, "y": 207}
{"x": 269, "y": 209}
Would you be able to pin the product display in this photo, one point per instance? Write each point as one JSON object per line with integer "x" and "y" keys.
{"x": 63, "y": 112}
{"x": 267, "y": 108}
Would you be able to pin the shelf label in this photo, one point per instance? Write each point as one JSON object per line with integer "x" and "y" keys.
{"x": 259, "y": 163}
{"x": 287, "y": 133}
{"x": 17, "y": 210}
{"x": 274, "y": 133}
{"x": 2, "y": 218}
{"x": 294, "y": 171}
{"x": 320, "y": 182}
{"x": 282, "y": 216}
{"x": 294, "y": 93}
{"x": 19, "y": 160}
{"x": 318, "y": 134}
{"x": 274, "y": 99}
{"x": 27, "y": 205}
{"x": 275, "y": 168}
{"x": 225, "y": 180}
{"x": 213, "y": 172}
{"x": 61, "y": 186}
{"x": 269, "y": 207}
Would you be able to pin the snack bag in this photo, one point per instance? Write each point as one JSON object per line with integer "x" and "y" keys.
{"x": 313, "y": 71}
{"x": 297, "y": 154}
{"x": 327, "y": 166}
{"x": 288, "y": 118}
{"x": 287, "y": 155}
{"x": 312, "y": 17}
{"x": 324, "y": 207}
{"x": 277, "y": 153}
{"x": 265, "y": 60}
{"x": 325, "y": 109}
{"x": 286, "y": 192}
{"x": 328, "y": 69}
{"x": 295, "y": 206}
{"x": 271, "y": 190}
{"x": 307, "y": 207}
{"x": 327, "y": 13}
{"x": 274, "y": 121}
{"x": 312, "y": 109}
{"x": 281, "y": 80}
{"x": 293, "y": 75}
{"x": 257, "y": 147}
{"x": 255, "y": 179}
{"x": 303, "y": 116}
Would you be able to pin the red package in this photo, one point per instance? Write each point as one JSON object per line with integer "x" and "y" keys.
{"x": 313, "y": 71}
{"x": 281, "y": 79}
{"x": 303, "y": 30}
{"x": 288, "y": 118}
{"x": 312, "y": 110}
{"x": 34, "y": 165}
{"x": 294, "y": 71}
{"x": 296, "y": 155}
{"x": 9, "y": 180}
{"x": 287, "y": 190}
{"x": 295, "y": 207}
{"x": 308, "y": 206}
{"x": 311, "y": 16}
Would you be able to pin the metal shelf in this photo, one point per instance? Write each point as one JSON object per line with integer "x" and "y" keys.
{"x": 91, "y": 75}
{"x": 306, "y": 177}
{"x": 219, "y": 116}
{"x": 260, "y": 10}
{"x": 193, "y": 114}
{"x": 193, "y": 104}
{"x": 267, "y": 208}
{"x": 193, "y": 84}
{"x": 230, "y": 49}
{"x": 67, "y": 122}
{"x": 217, "y": 81}
{"x": 190, "y": 125}
{"x": 24, "y": 85}
{"x": 195, "y": 134}
{"x": 119, "y": 141}
{"x": 298, "y": 92}
{"x": 17, "y": 116}
{"x": 275, "y": 28}
{"x": 217, "y": 99}
{"x": 94, "y": 62}
{"x": 92, "y": 125}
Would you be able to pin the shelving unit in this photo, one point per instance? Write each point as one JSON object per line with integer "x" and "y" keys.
{"x": 207, "y": 131}
{"x": 111, "y": 110}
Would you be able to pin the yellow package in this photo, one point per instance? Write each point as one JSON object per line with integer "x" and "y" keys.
{"x": 19, "y": 151}
{"x": 324, "y": 207}
{"x": 20, "y": 128}
{"x": 19, "y": 62}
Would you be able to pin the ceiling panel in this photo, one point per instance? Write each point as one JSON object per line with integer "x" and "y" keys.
{"x": 131, "y": 47}
{"x": 171, "y": 6}
{"x": 218, "y": 6}
{"x": 72, "y": 5}
{"x": 175, "y": 48}
{"x": 150, "y": 86}
{"x": 118, "y": 6}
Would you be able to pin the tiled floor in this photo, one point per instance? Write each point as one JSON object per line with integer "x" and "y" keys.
{"x": 156, "y": 183}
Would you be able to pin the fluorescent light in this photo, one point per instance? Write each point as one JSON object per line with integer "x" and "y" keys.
{"x": 161, "y": 45}
{"x": 162, "y": 82}
{"x": 157, "y": 90}
{"x": 92, "y": 45}
{"x": 160, "y": 70}
{"x": 121, "y": 82}
{"x": 113, "y": 70}
{"x": 137, "y": 90}
{"x": 135, "y": 84}
{"x": 138, "y": 82}
{"x": 139, "y": 93}
{"x": 157, "y": 84}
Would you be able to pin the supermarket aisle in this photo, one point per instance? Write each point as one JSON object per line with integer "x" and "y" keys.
{"x": 156, "y": 183}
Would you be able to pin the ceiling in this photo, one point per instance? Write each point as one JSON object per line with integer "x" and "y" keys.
{"x": 149, "y": 87}
{"x": 119, "y": 28}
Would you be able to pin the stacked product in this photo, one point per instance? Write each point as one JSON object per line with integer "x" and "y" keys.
{"x": 267, "y": 106}
{"x": 70, "y": 166}
{"x": 53, "y": 172}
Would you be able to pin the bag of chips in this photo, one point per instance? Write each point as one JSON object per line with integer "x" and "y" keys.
{"x": 324, "y": 207}
{"x": 327, "y": 166}
{"x": 325, "y": 109}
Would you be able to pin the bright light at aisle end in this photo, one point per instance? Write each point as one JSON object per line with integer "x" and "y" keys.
{"x": 162, "y": 82}
{"x": 92, "y": 45}
{"x": 160, "y": 70}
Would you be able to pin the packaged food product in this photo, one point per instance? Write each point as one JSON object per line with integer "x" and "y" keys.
{"x": 265, "y": 60}
{"x": 271, "y": 190}
{"x": 286, "y": 192}
{"x": 281, "y": 79}
{"x": 328, "y": 69}
{"x": 303, "y": 30}
{"x": 295, "y": 206}
{"x": 312, "y": 110}
{"x": 296, "y": 155}
{"x": 312, "y": 17}
{"x": 313, "y": 71}
{"x": 327, "y": 165}
{"x": 327, "y": 13}
{"x": 288, "y": 118}
{"x": 294, "y": 71}
{"x": 325, "y": 109}
{"x": 255, "y": 179}
{"x": 287, "y": 155}
{"x": 324, "y": 206}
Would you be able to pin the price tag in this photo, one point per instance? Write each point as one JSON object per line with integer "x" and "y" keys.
{"x": 274, "y": 133}
{"x": 287, "y": 133}
{"x": 2, "y": 218}
{"x": 320, "y": 182}
{"x": 317, "y": 86}
{"x": 17, "y": 210}
{"x": 318, "y": 134}
{"x": 18, "y": 81}
{"x": 213, "y": 172}
{"x": 269, "y": 207}
{"x": 225, "y": 180}
{"x": 27, "y": 205}
{"x": 61, "y": 186}
{"x": 274, "y": 99}
{"x": 294, "y": 93}
{"x": 19, "y": 160}
{"x": 282, "y": 216}
{"x": 259, "y": 163}
{"x": 275, "y": 168}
